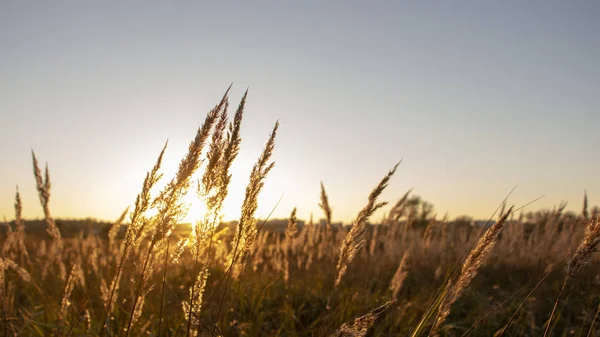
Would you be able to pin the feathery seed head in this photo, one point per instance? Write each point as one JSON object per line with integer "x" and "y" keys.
{"x": 586, "y": 248}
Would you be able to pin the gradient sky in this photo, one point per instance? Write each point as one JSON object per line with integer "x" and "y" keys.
{"x": 475, "y": 97}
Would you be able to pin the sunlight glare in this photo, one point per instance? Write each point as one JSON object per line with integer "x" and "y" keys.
{"x": 196, "y": 208}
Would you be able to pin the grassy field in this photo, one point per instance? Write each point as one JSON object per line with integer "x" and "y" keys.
{"x": 412, "y": 274}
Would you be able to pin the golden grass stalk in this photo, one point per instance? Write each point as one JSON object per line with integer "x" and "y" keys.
{"x": 134, "y": 231}
{"x": 43, "y": 187}
{"x": 18, "y": 209}
{"x": 324, "y": 205}
{"x": 584, "y": 212}
{"x": 20, "y": 229}
{"x": 225, "y": 151}
{"x": 164, "y": 282}
{"x": 374, "y": 242}
{"x": 14, "y": 244}
{"x": 291, "y": 232}
{"x": 233, "y": 140}
{"x": 5, "y": 264}
{"x": 361, "y": 325}
{"x": 10, "y": 264}
{"x": 428, "y": 232}
{"x": 354, "y": 240}
{"x": 179, "y": 248}
{"x": 168, "y": 202}
{"x": 213, "y": 189}
{"x": 193, "y": 307}
{"x": 138, "y": 220}
{"x": 586, "y": 248}
{"x": 398, "y": 209}
{"x": 208, "y": 186}
{"x": 502, "y": 209}
{"x": 208, "y": 191}
{"x": 75, "y": 276}
{"x": 139, "y": 309}
{"x": 400, "y": 275}
{"x": 583, "y": 254}
{"x": 246, "y": 229}
{"x": 469, "y": 270}
{"x": 114, "y": 231}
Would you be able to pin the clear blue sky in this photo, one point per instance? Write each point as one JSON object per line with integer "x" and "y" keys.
{"x": 474, "y": 96}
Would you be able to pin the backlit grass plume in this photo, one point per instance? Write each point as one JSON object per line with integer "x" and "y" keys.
{"x": 354, "y": 240}
{"x": 169, "y": 204}
{"x": 400, "y": 275}
{"x": 584, "y": 212}
{"x": 14, "y": 243}
{"x": 361, "y": 325}
{"x": 398, "y": 209}
{"x": 207, "y": 191}
{"x": 138, "y": 222}
{"x": 291, "y": 232}
{"x": 75, "y": 277}
{"x": 89, "y": 280}
{"x": 587, "y": 247}
{"x": 43, "y": 187}
{"x": 246, "y": 229}
{"x": 213, "y": 190}
{"x": 19, "y": 234}
{"x": 583, "y": 254}
{"x": 324, "y": 205}
{"x": 469, "y": 270}
{"x": 114, "y": 231}
{"x": 6, "y": 264}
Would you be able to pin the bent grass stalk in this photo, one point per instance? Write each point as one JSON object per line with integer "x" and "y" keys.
{"x": 582, "y": 256}
{"x": 133, "y": 232}
{"x": 168, "y": 199}
{"x": 469, "y": 270}
{"x": 214, "y": 189}
{"x": 246, "y": 229}
{"x": 455, "y": 270}
{"x": 355, "y": 238}
{"x": 147, "y": 237}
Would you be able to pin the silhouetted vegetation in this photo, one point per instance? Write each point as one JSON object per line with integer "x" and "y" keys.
{"x": 412, "y": 273}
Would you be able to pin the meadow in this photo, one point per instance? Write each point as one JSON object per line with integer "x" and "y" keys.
{"x": 408, "y": 274}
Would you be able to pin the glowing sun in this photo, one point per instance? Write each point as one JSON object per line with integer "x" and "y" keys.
{"x": 196, "y": 208}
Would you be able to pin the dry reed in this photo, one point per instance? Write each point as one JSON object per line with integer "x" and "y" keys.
{"x": 400, "y": 275}
{"x": 324, "y": 205}
{"x": 138, "y": 222}
{"x": 246, "y": 228}
{"x": 169, "y": 204}
{"x": 291, "y": 232}
{"x": 43, "y": 186}
{"x": 580, "y": 258}
{"x": 469, "y": 270}
{"x": 354, "y": 240}
{"x": 361, "y": 325}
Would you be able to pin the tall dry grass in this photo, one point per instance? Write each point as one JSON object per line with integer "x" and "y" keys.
{"x": 253, "y": 278}
{"x": 455, "y": 288}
